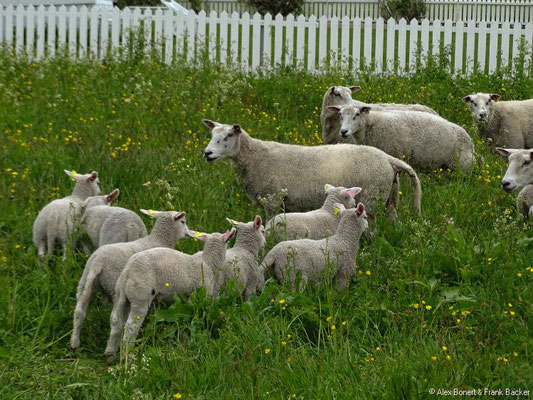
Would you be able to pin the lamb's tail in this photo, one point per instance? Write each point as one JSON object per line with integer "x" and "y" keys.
{"x": 400, "y": 166}
{"x": 268, "y": 265}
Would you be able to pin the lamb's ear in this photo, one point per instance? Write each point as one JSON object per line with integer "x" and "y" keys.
{"x": 466, "y": 99}
{"x": 365, "y": 109}
{"x": 334, "y": 109}
{"x": 197, "y": 235}
{"x": 495, "y": 96}
{"x": 355, "y": 88}
{"x": 354, "y": 191}
{"x": 328, "y": 187}
{"x": 232, "y": 222}
{"x": 237, "y": 129}
{"x": 226, "y": 236}
{"x": 210, "y": 124}
{"x": 360, "y": 209}
{"x": 151, "y": 213}
{"x": 504, "y": 152}
{"x": 179, "y": 215}
{"x": 339, "y": 208}
{"x": 332, "y": 90}
{"x": 73, "y": 174}
{"x": 93, "y": 177}
{"x": 258, "y": 221}
{"x": 112, "y": 196}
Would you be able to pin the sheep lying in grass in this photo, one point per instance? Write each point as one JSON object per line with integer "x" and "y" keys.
{"x": 162, "y": 273}
{"x": 268, "y": 167}
{"x": 55, "y": 222}
{"x": 505, "y": 123}
{"x": 105, "y": 265}
{"x": 310, "y": 258}
{"x": 316, "y": 224}
{"x": 342, "y": 96}
{"x": 429, "y": 141}
{"x": 106, "y": 225}
{"x": 241, "y": 263}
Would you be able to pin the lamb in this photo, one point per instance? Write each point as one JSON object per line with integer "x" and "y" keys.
{"x": 429, "y": 141}
{"x": 241, "y": 260}
{"x": 55, "y": 222}
{"x": 316, "y": 224}
{"x": 105, "y": 265}
{"x": 524, "y": 202}
{"x": 267, "y": 167}
{"x": 505, "y": 123}
{"x": 341, "y": 96}
{"x": 163, "y": 273}
{"x": 309, "y": 258}
{"x": 107, "y": 225}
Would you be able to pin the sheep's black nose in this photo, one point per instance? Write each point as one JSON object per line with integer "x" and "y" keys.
{"x": 505, "y": 184}
{"x": 207, "y": 153}
{"x": 344, "y": 131}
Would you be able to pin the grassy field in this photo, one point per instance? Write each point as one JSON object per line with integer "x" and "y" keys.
{"x": 439, "y": 301}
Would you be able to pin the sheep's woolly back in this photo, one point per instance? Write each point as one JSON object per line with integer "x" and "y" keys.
{"x": 510, "y": 124}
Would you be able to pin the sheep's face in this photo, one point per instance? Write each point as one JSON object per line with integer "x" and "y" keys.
{"x": 225, "y": 141}
{"x": 520, "y": 170}
{"x": 340, "y": 94}
{"x": 172, "y": 220}
{"x": 356, "y": 216}
{"x": 480, "y": 105}
{"x": 342, "y": 195}
{"x": 353, "y": 120}
{"x": 90, "y": 180}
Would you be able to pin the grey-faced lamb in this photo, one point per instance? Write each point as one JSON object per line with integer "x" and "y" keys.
{"x": 55, "y": 222}
{"x": 427, "y": 140}
{"x": 342, "y": 96}
{"x": 162, "y": 273}
{"x": 316, "y": 224}
{"x": 268, "y": 167}
{"x": 106, "y": 225}
{"x": 310, "y": 258}
{"x": 505, "y": 123}
{"x": 105, "y": 265}
{"x": 241, "y": 263}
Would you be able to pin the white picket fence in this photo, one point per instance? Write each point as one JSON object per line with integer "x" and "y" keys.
{"x": 252, "y": 42}
{"x": 456, "y": 10}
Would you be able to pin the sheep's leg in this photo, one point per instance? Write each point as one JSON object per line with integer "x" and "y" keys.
{"x": 81, "y": 310}
{"x": 50, "y": 243}
{"x": 133, "y": 324}
{"x": 41, "y": 249}
{"x": 117, "y": 322}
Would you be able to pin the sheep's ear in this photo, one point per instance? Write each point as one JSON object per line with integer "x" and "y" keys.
{"x": 339, "y": 208}
{"x": 328, "y": 187}
{"x": 504, "y": 152}
{"x": 151, "y": 213}
{"x": 73, "y": 174}
{"x": 179, "y": 215}
{"x": 93, "y": 177}
{"x": 332, "y": 90}
{"x": 237, "y": 129}
{"x": 112, "y": 196}
{"x": 355, "y": 88}
{"x": 365, "y": 109}
{"x": 232, "y": 222}
{"x": 360, "y": 209}
{"x": 495, "y": 96}
{"x": 354, "y": 191}
{"x": 466, "y": 99}
{"x": 210, "y": 124}
{"x": 197, "y": 235}
{"x": 226, "y": 236}
{"x": 258, "y": 221}
{"x": 334, "y": 109}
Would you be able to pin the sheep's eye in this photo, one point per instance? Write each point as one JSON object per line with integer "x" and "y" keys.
{"x": 474, "y": 104}
{"x": 527, "y": 162}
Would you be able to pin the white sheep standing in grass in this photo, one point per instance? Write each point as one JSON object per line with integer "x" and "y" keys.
{"x": 106, "y": 264}
{"x": 106, "y": 225}
{"x": 427, "y": 140}
{"x": 162, "y": 273}
{"x": 505, "y": 123}
{"x": 316, "y": 224}
{"x": 241, "y": 263}
{"x": 55, "y": 222}
{"x": 310, "y": 258}
{"x": 268, "y": 167}
{"x": 342, "y": 96}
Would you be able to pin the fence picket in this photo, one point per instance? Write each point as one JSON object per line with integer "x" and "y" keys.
{"x": 245, "y": 54}
{"x": 278, "y": 39}
{"x": 367, "y": 44}
{"x": 413, "y": 44}
{"x": 300, "y": 42}
{"x": 168, "y": 27}
{"x": 470, "y": 46}
{"x": 378, "y": 54}
{"x": 289, "y": 40}
{"x": 391, "y": 44}
{"x": 41, "y": 13}
{"x": 356, "y": 49}
{"x": 84, "y": 16}
{"x": 72, "y": 31}
{"x": 424, "y": 42}
{"x": 51, "y": 31}
{"x": 256, "y": 42}
{"x": 334, "y": 42}
{"x": 493, "y": 49}
{"x": 322, "y": 40}
{"x": 20, "y": 29}
{"x": 459, "y": 38}
{"x": 30, "y": 30}
{"x": 402, "y": 33}
{"x": 267, "y": 40}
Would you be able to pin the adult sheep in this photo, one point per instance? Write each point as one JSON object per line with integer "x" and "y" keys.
{"x": 267, "y": 167}
{"x": 506, "y": 123}
{"x": 429, "y": 141}
{"x": 342, "y": 96}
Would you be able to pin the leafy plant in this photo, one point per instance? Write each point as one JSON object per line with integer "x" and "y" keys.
{"x": 407, "y": 9}
{"x": 274, "y": 7}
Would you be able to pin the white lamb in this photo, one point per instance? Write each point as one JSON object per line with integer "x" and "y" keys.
{"x": 106, "y": 225}
{"x": 524, "y": 202}
{"x": 310, "y": 258}
{"x": 342, "y": 96}
{"x": 268, "y": 167}
{"x": 105, "y": 265}
{"x": 241, "y": 263}
{"x": 316, "y": 224}
{"x": 427, "y": 140}
{"x": 505, "y": 123}
{"x": 55, "y": 222}
{"x": 162, "y": 273}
